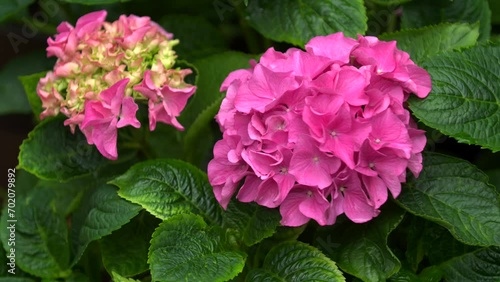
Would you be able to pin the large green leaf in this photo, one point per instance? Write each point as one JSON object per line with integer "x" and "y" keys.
{"x": 169, "y": 187}
{"x": 184, "y": 248}
{"x": 297, "y": 21}
{"x": 480, "y": 265}
{"x": 361, "y": 250}
{"x": 252, "y": 222}
{"x": 295, "y": 261}
{"x": 424, "y": 42}
{"x": 426, "y": 12}
{"x": 11, "y": 7}
{"x": 125, "y": 251}
{"x": 101, "y": 212}
{"x": 41, "y": 237}
{"x": 456, "y": 195}
{"x": 198, "y": 37}
{"x": 52, "y": 152}
{"x": 464, "y": 101}
{"x": 11, "y": 90}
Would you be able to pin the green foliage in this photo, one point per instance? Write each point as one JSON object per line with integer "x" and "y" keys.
{"x": 203, "y": 106}
{"x": 11, "y": 7}
{"x": 297, "y": 21}
{"x": 185, "y": 248}
{"x": 169, "y": 187}
{"x": 428, "y": 41}
{"x": 427, "y": 12}
{"x": 251, "y": 221}
{"x": 295, "y": 261}
{"x": 101, "y": 212}
{"x": 125, "y": 251}
{"x": 11, "y": 89}
{"x": 456, "y": 195}
{"x": 52, "y": 152}
{"x": 480, "y": 265}
{"x": 94, "y": 2}
{"x": 198, "y": 37}
{"x": 40, "y": 227}
{"x": 390, "y": 2}
{"x": 464, "y": 99}
{"x": 163, "y": 223}
{"x": 361, "y": 250}
{"x": 213, "y": 70}
{"x": 29, "y": 83}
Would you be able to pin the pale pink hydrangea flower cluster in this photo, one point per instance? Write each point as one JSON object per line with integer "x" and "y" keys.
{"x": 320, "y": 132}
{"x": 104, "y": 68}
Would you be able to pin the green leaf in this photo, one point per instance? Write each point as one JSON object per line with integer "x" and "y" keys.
{"x": 11, "y": 7}
{"x": 439, "y": 245}
{"x": 29, "y": 83}
{"x": 456, "y": 195}
{"x": 169, "y": 187}
{"x": 41, "y": 237}
{"x": 297, "y": 21}
{"x": 125, "y": 251}
{"x": 425, "y": 42}
{"x": 361, "y": 250}
{"x": 426, "y": 12}
{"x": 198, "y": 37}
{"x": 94, "y": 2}
{"x": 211, "y": 73}
{"x": 102, "y": 211}
{"x": 464, "y": 101}
{"x": 295, "y": 261}
{"x": 480, "y": 265}
{"x": 65, "y": 196}
{"x": 11, "y": 90}
{"x": 251, "y": 221}
{"x": 52, "y": 152}
{"x": 431, "y": 274}
{"x": 184, "y": 248}
{"x": 25, "y": 182}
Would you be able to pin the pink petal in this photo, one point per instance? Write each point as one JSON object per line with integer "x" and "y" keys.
{"x": 129, "y": 110}
{"x": 250, "y": 189}
{"x": 334, "y": 46}
{"x": 381, "y": 54}
{"x": 90, "y": 22}
{"x": 104, "y": 136}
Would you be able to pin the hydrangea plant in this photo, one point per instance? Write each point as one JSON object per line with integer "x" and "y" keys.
{"x": 253, "y": 140}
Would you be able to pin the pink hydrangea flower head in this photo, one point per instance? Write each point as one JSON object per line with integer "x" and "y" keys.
{"x": 104, "y": 68}
{"x": 321, "y": 132}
